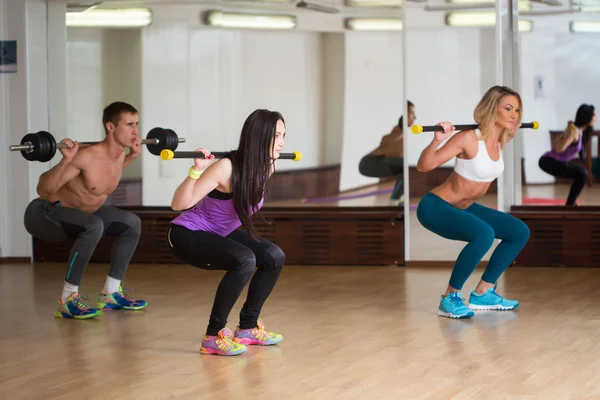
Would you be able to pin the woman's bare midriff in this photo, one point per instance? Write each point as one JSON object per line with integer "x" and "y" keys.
{"x": 461, "y": 192}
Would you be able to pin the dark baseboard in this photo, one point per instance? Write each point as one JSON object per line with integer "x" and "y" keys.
{"x": 307, "y": 235}
{"x": 15, "y": 260}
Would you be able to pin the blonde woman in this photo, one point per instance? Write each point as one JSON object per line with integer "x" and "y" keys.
{"x": 565, "y": 148}
{"x": 451, "y": 211}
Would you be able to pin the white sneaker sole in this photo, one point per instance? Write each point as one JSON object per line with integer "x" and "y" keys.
{"x": 453, "y": 316}
{"x": 496, "y": 307}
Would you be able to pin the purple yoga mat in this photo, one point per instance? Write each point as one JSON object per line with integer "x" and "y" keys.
{"x": 346, "y": 197}
{"x": 412, "y": 207}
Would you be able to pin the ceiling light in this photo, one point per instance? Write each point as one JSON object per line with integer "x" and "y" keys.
{"x": 374, "y": 3}
{"x": 374, "y": 24}
{"x": 257, "y": 21}
{"x": 584, "y": 26}
{"x": 480, "y": 19}
{"x": 110, "y": 18}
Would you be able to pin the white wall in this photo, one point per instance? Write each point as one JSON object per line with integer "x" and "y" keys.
{"x": 372, "y": 98}
{"x": 333, "y": 59}
{"x": 444, "y": 80}
{"x": 24, "y": 107}
{"x": 84, "y": 85}
{"x": 204, "y": 83}
{"x": 121, "y": 79}
{"x": 103, "y": 66}
{"x": 14, "y": 173}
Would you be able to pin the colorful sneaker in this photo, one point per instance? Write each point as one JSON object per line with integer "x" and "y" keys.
{"x": 491, "y": 300}
{"x": 221, "y": 345}
{"x": 258, "y": 336}
{"x": 452, "y": 306}
{"x": 118, "y": 300}
{"x": 75, "y": 309}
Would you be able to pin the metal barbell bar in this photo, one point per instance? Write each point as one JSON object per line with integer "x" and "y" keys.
{"x": 416, "y": 129}
{"x": 42, "y": 146}
{"x": 168, "y": 154}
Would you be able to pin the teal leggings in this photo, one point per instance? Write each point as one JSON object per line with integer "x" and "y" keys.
{"x": 478, "y": 226}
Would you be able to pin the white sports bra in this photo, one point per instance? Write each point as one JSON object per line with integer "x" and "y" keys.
{"x": 481, "y": 168}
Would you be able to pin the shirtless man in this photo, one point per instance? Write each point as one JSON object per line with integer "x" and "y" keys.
{"x": 71, "y": 206}
{"x": 388, "y": 159}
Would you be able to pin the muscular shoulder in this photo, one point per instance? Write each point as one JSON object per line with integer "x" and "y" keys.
{"x": 84, "y": 157}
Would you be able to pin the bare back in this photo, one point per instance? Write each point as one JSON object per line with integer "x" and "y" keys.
{"x": 99, "y": 174}
{"x": 392, "y": 145}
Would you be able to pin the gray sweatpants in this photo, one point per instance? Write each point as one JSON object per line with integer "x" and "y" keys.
{"x": 55, "y": 223}
{"x": 383, "y": 167}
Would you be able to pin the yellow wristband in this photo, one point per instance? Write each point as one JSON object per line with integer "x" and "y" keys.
{"x": 192, "y": 173}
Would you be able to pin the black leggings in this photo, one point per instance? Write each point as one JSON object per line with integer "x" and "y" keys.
{"x": 238, "y": 254}
{"x": 562, "y": 169}
{"x": 383, "y": 167}
{"x": 55, "y": 223}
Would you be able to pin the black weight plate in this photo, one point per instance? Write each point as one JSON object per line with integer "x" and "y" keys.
{"x": 161, "y": 135}
{"x": 47, "y": 146}
{"x": 172, "y": 140}
{"x": 34, "y": 140}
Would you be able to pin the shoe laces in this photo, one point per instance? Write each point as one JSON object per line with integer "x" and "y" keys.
{"x": 456, "y": 299}
{"x": 224, "y": 342}
{"x": 122, "y": 293}
{"x": 78, "y": 303}
{"x": 496, "y": 296}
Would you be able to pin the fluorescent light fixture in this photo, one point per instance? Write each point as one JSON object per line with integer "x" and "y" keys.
{"x": 374, "y": 3}
{"x": 481, "y": 19}
{"x": 256, "y": 21}
{"x": 374, "y": 24}
{"x": 110, "y": 18}
{"x": 523, "y": 5}
{"x": 584, "y": 26}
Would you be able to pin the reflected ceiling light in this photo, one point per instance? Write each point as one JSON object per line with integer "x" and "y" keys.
{"x": 256, "y": 21}
{"x": 374, "y": 24}
{"x": 373, "y": 3}
{"x": 109, "y": 18}
{"x": 584, "y": 26}
{"x": 480, "y": 19}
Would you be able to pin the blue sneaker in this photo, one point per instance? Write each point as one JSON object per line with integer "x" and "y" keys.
{"x": 118, "y": 300}
{"x": 452, "y": 306}
{"x": 491, "y": 300}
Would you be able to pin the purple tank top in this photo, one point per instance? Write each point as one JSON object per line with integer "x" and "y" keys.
{"x": 214, "y": 213}
{"x": 569, "y": 153}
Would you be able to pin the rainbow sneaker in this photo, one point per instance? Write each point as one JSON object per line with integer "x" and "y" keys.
{"x": 118, "y": 300}
{"x": 221, "y": 345}
{"x": 257, "y": 336}
{"x": 73, "y": 308}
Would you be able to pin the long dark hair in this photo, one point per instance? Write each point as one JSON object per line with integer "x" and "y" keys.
{"x": 401, "y": 120}
{"x": 583, "y": 118}
{"x": 251, "y": 164}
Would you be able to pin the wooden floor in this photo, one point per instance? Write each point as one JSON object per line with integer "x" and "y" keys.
{"x": 349, "y": 333}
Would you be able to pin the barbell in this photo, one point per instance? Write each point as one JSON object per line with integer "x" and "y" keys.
{"x": 168, "y": 154}
{"x": 431, "y": 128}
{"x": 42, "y": 146}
